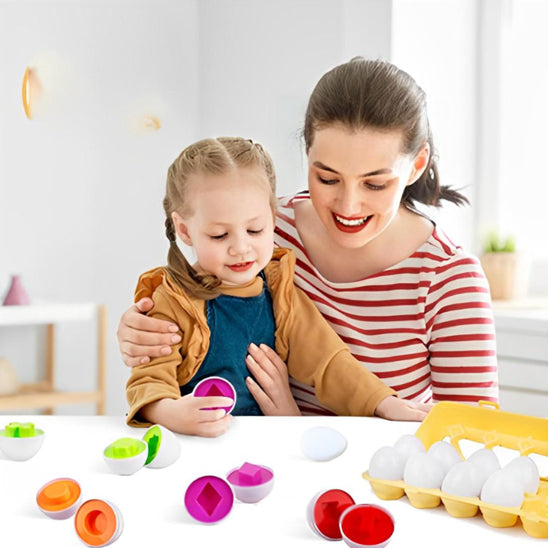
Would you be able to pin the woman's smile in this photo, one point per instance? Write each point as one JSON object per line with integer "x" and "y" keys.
{"x": 351, "y": 224}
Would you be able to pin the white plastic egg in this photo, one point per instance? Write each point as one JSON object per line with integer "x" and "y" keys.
{"x": 486, "y": 460}
{"x": 408, "y": 444}
{"x": 163, "y": 447}
{"x": 423, "y": 470}
{"x": 525, "y": 469}
{"x": 503, "y": 489}
{"x": 21, "y": 441}
{"x": 464, "y": 479}
{"x": 321, "y": 443}
{"x": 387, "y": 463}
{"x": 445, "y": 453}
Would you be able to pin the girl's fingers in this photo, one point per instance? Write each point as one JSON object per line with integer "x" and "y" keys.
{"x": 260, "y": 360}
{"x": 212, "y": 429}
{"x": 209, "y": 403}
{"x": 274, "y": 359}
{"x": 261, "y": 372}
{"x": 262, "y": 399}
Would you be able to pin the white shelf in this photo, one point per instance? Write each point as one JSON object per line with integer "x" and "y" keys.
{"x": 46, "y": 313}
{"x": 43, "y": 394}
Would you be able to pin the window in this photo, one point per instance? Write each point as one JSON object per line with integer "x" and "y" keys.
{"x": 514, "y": 127}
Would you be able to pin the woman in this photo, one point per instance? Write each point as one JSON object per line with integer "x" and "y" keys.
{"x": 412, "y": 306}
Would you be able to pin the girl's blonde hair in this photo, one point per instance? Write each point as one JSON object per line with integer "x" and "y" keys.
{"x": 206, "y": 157}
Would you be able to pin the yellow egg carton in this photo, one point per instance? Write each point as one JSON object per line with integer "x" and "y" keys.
{"x": 488, "y": 425}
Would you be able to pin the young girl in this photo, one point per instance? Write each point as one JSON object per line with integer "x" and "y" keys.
{"x": 220, "y": 199}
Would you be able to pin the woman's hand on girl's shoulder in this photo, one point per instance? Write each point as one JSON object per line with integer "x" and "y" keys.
{"x": 398, "y": 409}
{"x": 141, "y": 338}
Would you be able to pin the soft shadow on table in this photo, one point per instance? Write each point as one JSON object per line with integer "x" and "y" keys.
{"x": 178, "y": 514}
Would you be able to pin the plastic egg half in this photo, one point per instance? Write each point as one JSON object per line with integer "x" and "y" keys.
{"x": 163, "y": 447}
{"x": 387, "y": 463}
{"x": 423, "y": 470}
{"x": 324, "y": 512}
{"x": 321, "y": 443}
{"x": 98, "y": 522}
{"x": 126, "y": 455}
{"x": 251, "y": 483}
{"x": 21, "y": 440}
{"x": 525, "y": 469}
{"x": 59, "y": 498}
{"x": 366, "y": 526}
{"x": 503, "y": 489}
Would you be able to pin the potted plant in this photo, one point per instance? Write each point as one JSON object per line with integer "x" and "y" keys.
{"x": 507, "y": 271}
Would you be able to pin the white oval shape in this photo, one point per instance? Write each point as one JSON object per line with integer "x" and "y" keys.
{"x": 445, "y": 453}
{"x": 408, "y": 444}
{"x": 423, "y": 470}
{"x": 387, "y": 463}
{"x": 464, "y": 479}
{"x": 486, "y": 460}
{"x": 526, "y": 471}
{"x": 503, "y": 489}
{"x": 321, "y": 443}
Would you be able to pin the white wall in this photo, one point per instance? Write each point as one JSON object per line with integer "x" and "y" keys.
{"x": 80, "y": 192}
{"x": 436, "y": 42}
{"x": 260, "y": 60}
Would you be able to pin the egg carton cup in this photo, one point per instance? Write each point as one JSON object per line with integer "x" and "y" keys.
{"x": 488, "y": 425}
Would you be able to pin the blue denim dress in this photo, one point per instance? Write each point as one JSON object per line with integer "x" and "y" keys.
{"x": 234, "y": 323}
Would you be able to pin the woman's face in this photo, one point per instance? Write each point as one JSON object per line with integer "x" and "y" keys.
{"x": 356, "y": 181}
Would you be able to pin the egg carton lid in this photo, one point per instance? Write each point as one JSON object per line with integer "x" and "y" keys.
{"x": 486, "y": 424}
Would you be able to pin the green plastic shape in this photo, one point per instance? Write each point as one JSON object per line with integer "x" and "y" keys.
{"x": 124, "y": 448}
{"x": 153, "y": 438}
{"x": 20, "y": 430}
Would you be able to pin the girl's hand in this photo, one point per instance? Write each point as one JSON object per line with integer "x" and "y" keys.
{"x": 189, "y": 415}
{"x": 272, "y": 393}
{"x": 141, "y": 338}
{"x": 397, "y": 409}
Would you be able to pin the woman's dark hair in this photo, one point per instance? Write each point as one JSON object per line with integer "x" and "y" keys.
{"x": 376, "y": 94}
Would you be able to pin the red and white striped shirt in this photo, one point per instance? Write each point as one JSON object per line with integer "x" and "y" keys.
{"x": 424, "y": 325}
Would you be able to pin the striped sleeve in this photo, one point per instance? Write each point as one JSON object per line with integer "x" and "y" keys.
{"x": 459, "y": 322}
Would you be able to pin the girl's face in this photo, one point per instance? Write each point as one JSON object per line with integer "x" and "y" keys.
{"x": 356, "y": 181}
{"x": 230, "y": 224}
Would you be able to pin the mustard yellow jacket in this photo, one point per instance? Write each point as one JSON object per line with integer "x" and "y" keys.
{"x": 314, "y": 353}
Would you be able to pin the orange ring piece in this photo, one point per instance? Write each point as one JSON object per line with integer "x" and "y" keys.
{"x": 96, "y": 522}
{"x": 58, "y": 495}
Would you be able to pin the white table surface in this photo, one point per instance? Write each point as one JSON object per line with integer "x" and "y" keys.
{"x": 151, "y": 501}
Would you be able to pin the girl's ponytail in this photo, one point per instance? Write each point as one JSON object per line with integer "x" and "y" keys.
{"x": 201, "y": 286}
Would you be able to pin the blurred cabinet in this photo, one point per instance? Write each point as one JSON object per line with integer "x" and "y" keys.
{"x": 43, "y": 394}
{"x": 522, "y": 351}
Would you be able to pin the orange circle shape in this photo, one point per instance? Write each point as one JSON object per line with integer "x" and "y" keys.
{"x": 96, "y": 522}
{"x": 58, "y": 495}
